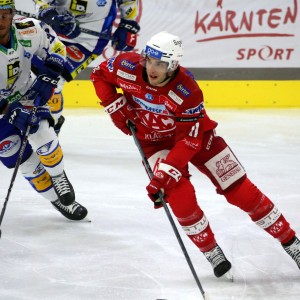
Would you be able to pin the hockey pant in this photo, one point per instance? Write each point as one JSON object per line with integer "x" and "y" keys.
{"x": 42, "y": 157}
{"x": 219, "y": 164}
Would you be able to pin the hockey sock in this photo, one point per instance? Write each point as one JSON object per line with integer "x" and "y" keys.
{"x": 261, "y": 210}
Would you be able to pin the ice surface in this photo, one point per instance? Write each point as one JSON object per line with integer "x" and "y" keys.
{"x": 129, "y": 250}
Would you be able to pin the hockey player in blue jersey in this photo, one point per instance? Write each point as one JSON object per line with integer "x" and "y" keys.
{"x": 42, "y": 163}
{"x": 68, "y": 17}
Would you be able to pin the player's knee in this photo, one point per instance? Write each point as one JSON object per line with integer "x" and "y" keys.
{"x": 183, "y": 200}
{"x": 245, "y": 195}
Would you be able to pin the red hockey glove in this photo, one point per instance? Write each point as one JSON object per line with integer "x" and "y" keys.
{"x": 120, "y": 112}
{"x": 165, "y": 178}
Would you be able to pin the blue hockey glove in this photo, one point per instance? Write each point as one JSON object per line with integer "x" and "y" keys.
{"x": 21, "y": 117}
{"x": 63, "y": 25}
{"x": 70, "y": 30}
{"x": 50, "y": 16}
{"x": 125, "y": 36}
{"x": 47, "y": 79}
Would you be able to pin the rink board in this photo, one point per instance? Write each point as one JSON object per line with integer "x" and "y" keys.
{"x": 218, "y": 94}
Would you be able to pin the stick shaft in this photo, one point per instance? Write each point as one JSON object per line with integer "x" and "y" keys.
{"x": 161, "y": 196}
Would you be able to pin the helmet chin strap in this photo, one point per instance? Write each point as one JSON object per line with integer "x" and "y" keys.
{"x": 167, "y": 77}
{"x": 170, "y": 76}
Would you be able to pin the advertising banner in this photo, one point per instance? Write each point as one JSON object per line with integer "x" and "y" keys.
{"x": 226, "y": 33}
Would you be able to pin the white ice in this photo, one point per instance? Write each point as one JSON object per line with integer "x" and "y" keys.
{"x": 129, "y": 250}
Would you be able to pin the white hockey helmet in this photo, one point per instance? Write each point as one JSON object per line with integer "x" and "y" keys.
{"x": 7, "y": 4}
{"x": 165, "y": 47}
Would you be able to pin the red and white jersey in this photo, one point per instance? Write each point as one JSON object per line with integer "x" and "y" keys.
{"x": 168, "y": 114}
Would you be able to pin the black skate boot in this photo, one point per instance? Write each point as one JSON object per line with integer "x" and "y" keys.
{"x": 292, "y": 248}
{"x": 74, "y": 211}
{"x": 59, "y": 124}
{"x": 63, "y": 189}
{"x": 219, "y": 262}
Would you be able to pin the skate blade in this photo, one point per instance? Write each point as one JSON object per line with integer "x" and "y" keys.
{"x": 86, "y": 219}
{"x": 205, "y": 296}
{"x": 228, "y": 275}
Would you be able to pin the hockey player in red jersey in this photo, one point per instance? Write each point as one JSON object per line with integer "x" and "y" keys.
{"x": 166, "y": 104}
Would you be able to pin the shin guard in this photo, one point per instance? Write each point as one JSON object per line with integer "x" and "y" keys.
{"x": 35, "y": 173}
{"x": 198, "y": 230}
{"x": 261, "y": 210}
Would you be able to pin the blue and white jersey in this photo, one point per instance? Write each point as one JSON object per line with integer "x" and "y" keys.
{"x": 95, "y": 15}
{"x": 28, "y": 37}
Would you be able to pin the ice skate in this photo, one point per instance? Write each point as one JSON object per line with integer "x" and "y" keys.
{"x": 219, "y": 262}
{"x": 74, "y": 211}
{"x": 63, "y": 189}
{"x": 292, "y": 248}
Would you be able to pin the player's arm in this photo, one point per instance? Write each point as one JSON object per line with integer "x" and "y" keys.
{"x": 126, "y": 34}
{"x": 63, "y": 24}
{"x": 115, "y": 104}
{"x": 53, "y": 54}
{"x": 189, "y": 132}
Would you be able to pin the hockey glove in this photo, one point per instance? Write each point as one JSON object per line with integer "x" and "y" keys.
{"x": 69, "y": 30}
{"x": 165, "y": 180}
{"x": 47, "y": 79}
{"x": 21, "y": 117}
{"x": 63, "y": 25}
{"x": 120, "y": 112}
{"x": 125, "y": 36}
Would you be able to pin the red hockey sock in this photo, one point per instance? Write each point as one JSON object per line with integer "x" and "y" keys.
{"x": 197, "y": 228}
{"x": 261, "y": 210}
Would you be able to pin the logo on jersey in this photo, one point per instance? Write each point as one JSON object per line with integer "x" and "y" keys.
{"x": 25, "y": 25}
{"x": 194, "y": 110}
{"x": 176, "y": 98}
{"x": 29, "y": 31}
{"x": 25, "y": 43}
{"x": 10, "y": 146}
{"x": 127, "y": 86}
{"x": 126, "y": 75}
{"x": 110, "y": 64}
{"x": 27, "y": 54}
{"x": 156, "y": 118}
{"x": 183, "y": 90}
{"x": 78, "y": 7}
{"x": 75, "y": 54}
{"x": 151, "y": 88}
{"x": 151, "y": 107}
{"x": 127, "y": 64}
{"x": 169, "y": 105}
{"x": 101, "y": 3}
{"x": 153, "y": 53}
{"x": 59, "y": 48}
{"x": 149, "y": 97}
{"x": 12, "y": 73}
{"x": 14, "y": 98}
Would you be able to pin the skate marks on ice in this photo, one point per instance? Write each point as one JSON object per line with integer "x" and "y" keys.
{"x": 129, "y": 250}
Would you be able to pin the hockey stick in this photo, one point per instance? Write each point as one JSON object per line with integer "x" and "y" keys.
{"x": 18, "y": 163}
{"x": 161, "y": 196}
{"x": 83, "y": 30}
